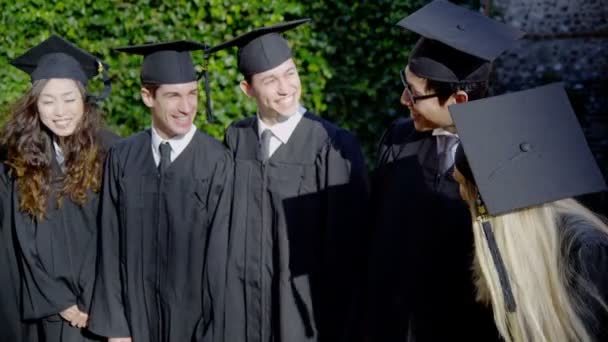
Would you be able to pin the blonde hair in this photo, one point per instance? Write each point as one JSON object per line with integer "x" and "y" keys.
{"x": 535, "y": 253}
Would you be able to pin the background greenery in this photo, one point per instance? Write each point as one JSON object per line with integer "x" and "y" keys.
{"x": 348, "y": 57}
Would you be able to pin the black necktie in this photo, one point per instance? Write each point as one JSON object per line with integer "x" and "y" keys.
{"x": 265, "y": 145}
{"x": 446, "y": 157}
{"x": 165, "y": 157}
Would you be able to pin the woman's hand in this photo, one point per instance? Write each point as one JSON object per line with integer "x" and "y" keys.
{"x": 75, "y": 317}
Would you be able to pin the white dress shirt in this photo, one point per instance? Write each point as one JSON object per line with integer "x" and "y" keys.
{"x": 178, "y": 143}
{"x": 441, "y": 143}
{"x": 281, "y": 131}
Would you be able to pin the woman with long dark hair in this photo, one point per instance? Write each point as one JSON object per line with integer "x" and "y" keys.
{"x": 55, "y": 147}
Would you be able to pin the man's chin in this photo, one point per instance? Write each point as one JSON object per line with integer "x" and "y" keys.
{"x": 285, "y": 114}
{"x": 181, "y": 128}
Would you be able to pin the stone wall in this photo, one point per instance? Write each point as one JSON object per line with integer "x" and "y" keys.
{"x": 567, "y": 41}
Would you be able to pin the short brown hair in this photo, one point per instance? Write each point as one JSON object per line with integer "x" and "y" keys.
{"x": 152, "y": 88}
{"x": 474, "y": 90}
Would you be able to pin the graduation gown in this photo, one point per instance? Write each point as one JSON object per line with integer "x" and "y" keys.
{"x": 420, "y": 283}
{"x": 12, "y": 327}
{"x": 154, "y": 238}
{"x": 586, "y": 249}
{"x": 57, "y": 256}
{"x": 296, "y": 238}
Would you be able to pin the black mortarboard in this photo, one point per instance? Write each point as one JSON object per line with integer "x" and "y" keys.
{"x": 526, "y": 148}
{"x": 261, "y": 49}
{"x": 523, "y": 149}
{"x": 457, "y": 44}
{"x": 166, "y": 63}
{"x": 58, "y": 58}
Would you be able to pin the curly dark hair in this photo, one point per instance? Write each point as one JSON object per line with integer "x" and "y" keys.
{"x": 29, "y": 147}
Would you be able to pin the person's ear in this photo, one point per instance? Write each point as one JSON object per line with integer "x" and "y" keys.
{"x": 147, "y": 97}
{"x": 461, "y": 96}
{"x": 246, "y": 88}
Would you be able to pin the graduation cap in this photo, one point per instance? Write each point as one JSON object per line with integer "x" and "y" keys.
{"x": 169, "y": 63}
{"x": 166, "y": 63}
{"x": 523, "y": 149}
{"x": 58, "y": 58}
{"x": 457, "y": 45}
{"x": 261, "y": 49}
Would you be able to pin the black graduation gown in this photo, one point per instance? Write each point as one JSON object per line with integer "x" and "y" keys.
{"x": 420, "y": 280}
{"x": 12, "y": 327}
{"x": 154, "y": 234}
{"x": 586, "y": 249}
{"x": 296, "y": 238}
{"x": 58, "y": 257}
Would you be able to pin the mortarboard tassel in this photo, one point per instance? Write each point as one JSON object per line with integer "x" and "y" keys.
{"x": 207, "y": 90}
{"x": 498, "y": 262}
{"x": 107, "y": 85}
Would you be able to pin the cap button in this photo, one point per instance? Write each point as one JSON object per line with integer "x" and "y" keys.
{"x": 525, "y": 147}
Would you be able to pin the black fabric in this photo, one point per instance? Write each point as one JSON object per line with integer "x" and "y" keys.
{"x": 166, "y": 63}
{"x": 436, "y": 61}
{"x": 58, "y": 58}
{"x": 298, "y": 234}
{"x": 159, "y": 234}
{"x": 457, "y": 44}
{"x": 586, "y": 249}
{"x": 57, "y": 329}
{"x": 420, "y": 282}
{"x": 499, "y": 265}
{"x": 462, "y": 164}
{"x": 517, "y": 161}
{"x": 261, "y": 49}
{"x": 56, "y": 254}
{"x": 165, "y": 157}
{"x": 12, "y": 327}
{"x": 265, "y": 145}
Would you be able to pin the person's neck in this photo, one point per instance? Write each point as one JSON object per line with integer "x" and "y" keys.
{"x": 451, "y": 129}
{"x": 161, "y": 133}
{"x": 271, "y": 119}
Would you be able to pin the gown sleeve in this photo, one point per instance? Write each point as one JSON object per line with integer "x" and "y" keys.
{"x": 12, "y": 328}
{"x": 107, "y": 315}
{"x": 44, "y": 294}
{"x": 210, "y": 327}
{"x": 346, "y": 187}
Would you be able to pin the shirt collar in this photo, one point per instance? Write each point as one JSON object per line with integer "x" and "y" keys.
{"x": 441, "y": 131}
{"x": 282, "y": 130}
{"x": 178, "y": 143}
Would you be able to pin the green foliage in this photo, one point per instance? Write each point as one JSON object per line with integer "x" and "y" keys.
{"x": 348, "y": 58}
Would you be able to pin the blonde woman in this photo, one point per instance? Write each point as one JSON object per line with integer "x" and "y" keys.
{"x": 541, "y": 258}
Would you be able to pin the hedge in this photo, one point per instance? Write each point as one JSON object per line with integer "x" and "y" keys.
{"x": 348, "y": 57}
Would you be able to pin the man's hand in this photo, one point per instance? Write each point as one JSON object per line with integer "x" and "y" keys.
{"x": 75, "y": 317}
{"x": 120, "y": 339}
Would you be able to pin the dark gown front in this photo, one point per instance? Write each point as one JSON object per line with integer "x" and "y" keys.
{"x": 155, "y": 233}
{"x": 12, "y": 326}
{"x": 57, "y": 257}
{"x": 296, "y": 242}
{"x": 420, "y": 282}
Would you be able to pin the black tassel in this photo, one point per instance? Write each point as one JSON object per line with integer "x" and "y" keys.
{"x": 500, "y": 266}
{"x": 107, "y": 85}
